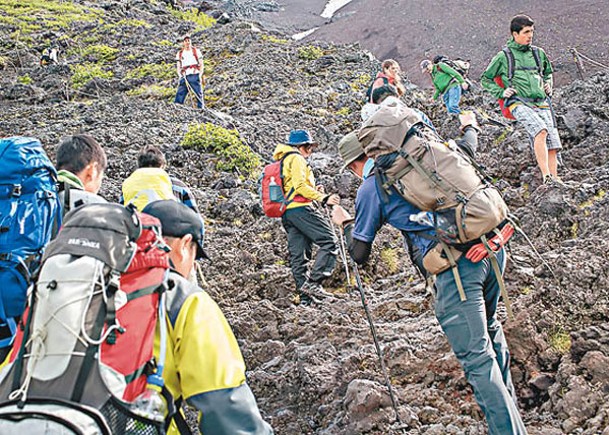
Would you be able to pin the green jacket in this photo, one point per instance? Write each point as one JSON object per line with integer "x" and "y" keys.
{"x": 444, "y": 77}
{"x": 528, "y": 83}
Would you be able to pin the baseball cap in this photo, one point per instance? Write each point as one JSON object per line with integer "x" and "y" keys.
{"x": 425, "y": 64}
{"x": 350, "y": 148}
{"x": 177, "y": 220}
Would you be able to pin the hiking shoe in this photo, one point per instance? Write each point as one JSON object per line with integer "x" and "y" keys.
{"x": 305, "y": 300}
{"x": 315, "y": 291}
{"x": 552, "y": 181}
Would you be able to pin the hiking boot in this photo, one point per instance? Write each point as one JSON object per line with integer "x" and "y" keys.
{"x": 548, "y": 180}
{"x": 305, "y": 300}
{"x": 315, "y": 291}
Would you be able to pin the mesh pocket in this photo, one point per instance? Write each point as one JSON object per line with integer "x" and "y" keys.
{"x": 122, "y": 421}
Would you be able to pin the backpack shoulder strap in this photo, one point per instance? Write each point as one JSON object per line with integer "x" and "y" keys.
{"x": 537, "y": 58}
{"x": 511, "y": 64}
{"x": 292, "y": 190}
{"x": 194, "y": 52}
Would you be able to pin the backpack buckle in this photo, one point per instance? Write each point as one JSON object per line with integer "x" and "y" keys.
{"x": 16, "y": 190}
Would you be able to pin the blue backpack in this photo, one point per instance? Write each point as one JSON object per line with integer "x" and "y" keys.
{"x": 29, "y": 214}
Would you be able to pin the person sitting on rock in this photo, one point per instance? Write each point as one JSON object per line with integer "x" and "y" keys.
{"x": 153, "y": 158}
{"x": 390, "y": 75}
{"x": 49, "y": 56}
{"x": 190, "y": 71}
{"x": 81, "y": 162}
{"x": 203, "y": 364}
{"x": 471, "y": 326}
{"x": 447, "y": 82}
{"x": 303, "y": 222}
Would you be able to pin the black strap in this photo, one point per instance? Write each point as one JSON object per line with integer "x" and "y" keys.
{"x": 177, "y": 416}
{"x": 511, "y": 60}
{"x": 24, "y": 340}
{"x": 511, "y": 63}
{"x": 292, "y": 190}
{"x": 66, "y": 198}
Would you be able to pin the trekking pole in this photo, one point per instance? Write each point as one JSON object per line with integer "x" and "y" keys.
{"x": 379, "y": 351}
{"x": 341, "y": 247}
{"x": 190, "y": 90}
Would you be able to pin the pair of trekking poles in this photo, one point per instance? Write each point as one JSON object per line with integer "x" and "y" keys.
{"x": 360, "y": 287}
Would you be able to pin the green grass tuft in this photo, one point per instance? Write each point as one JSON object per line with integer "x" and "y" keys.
{"x": 227, "y": 144}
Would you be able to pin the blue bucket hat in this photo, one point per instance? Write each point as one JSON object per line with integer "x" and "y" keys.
{"x": 301, "y": 137}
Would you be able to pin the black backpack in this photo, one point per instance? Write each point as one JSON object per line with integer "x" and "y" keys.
{"x": 369, "y": 91}
{"x": 459, "y": 65}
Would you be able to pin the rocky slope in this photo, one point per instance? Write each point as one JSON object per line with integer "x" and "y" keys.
{"x": 314, "y": 370}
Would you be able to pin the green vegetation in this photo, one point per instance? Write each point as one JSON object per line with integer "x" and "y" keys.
{"x": 596, "y": 198}
{"x": 343, "y": 111}
{"x": 310, "y": 52}
{"x": 3, "y": 62}
{"x": 502, "y": 136}
{"x": 33, "y": 15}
{"x": 154, "y": 92}
{"x": 162, "y": 71}
{"x": 84, "y": 72}
{"x": 99, "y": 53}
{"x": 235, "y": 155}
{"x": 25, "y": 80}
{"x": 163, "y": 43}
{"x": 361, "y": 82}
{"x": 389, "y": 256}
{"x": 559, "y": 340}
{"x": 574, "y": 229}
{"x": 202, "y": 21}
{"x": 274, "y": 39}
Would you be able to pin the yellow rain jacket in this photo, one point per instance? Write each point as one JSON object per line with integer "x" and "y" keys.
{"x": 146, "y": 185}
{"x": 297, "y": 175}
{"x": 204, "y": 365}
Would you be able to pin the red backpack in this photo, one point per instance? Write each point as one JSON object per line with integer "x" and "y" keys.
{"x": 274, "y": 199}
{"x": 84, "y": 349}
{"x": 505, "y": 109}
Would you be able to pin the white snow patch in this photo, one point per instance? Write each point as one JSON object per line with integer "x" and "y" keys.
{"x": 302, "y": 35}
{"x": 332, "y": 6}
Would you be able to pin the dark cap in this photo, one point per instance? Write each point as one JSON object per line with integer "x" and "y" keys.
{"x": 300, "y": 137}
{"x": 177, "y": 220}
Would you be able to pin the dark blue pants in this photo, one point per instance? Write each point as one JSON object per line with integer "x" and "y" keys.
{"x": 305, "y": 227}
{"x": 195, "y": 83}
{"x": 477, "y": 339}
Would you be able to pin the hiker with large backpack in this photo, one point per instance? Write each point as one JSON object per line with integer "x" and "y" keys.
{"x": 91, "y": 355}
{"x": 29, "y": 213}
{"x": 190, "y": 71}
{"x": 447, "y": 81}
{"x": 81, "y": 163}
{"x": 454, "y": 225}
{"x": 151, "y": 182}
{"x": 520, "y": 77}
{"x": 302, "y": 220}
